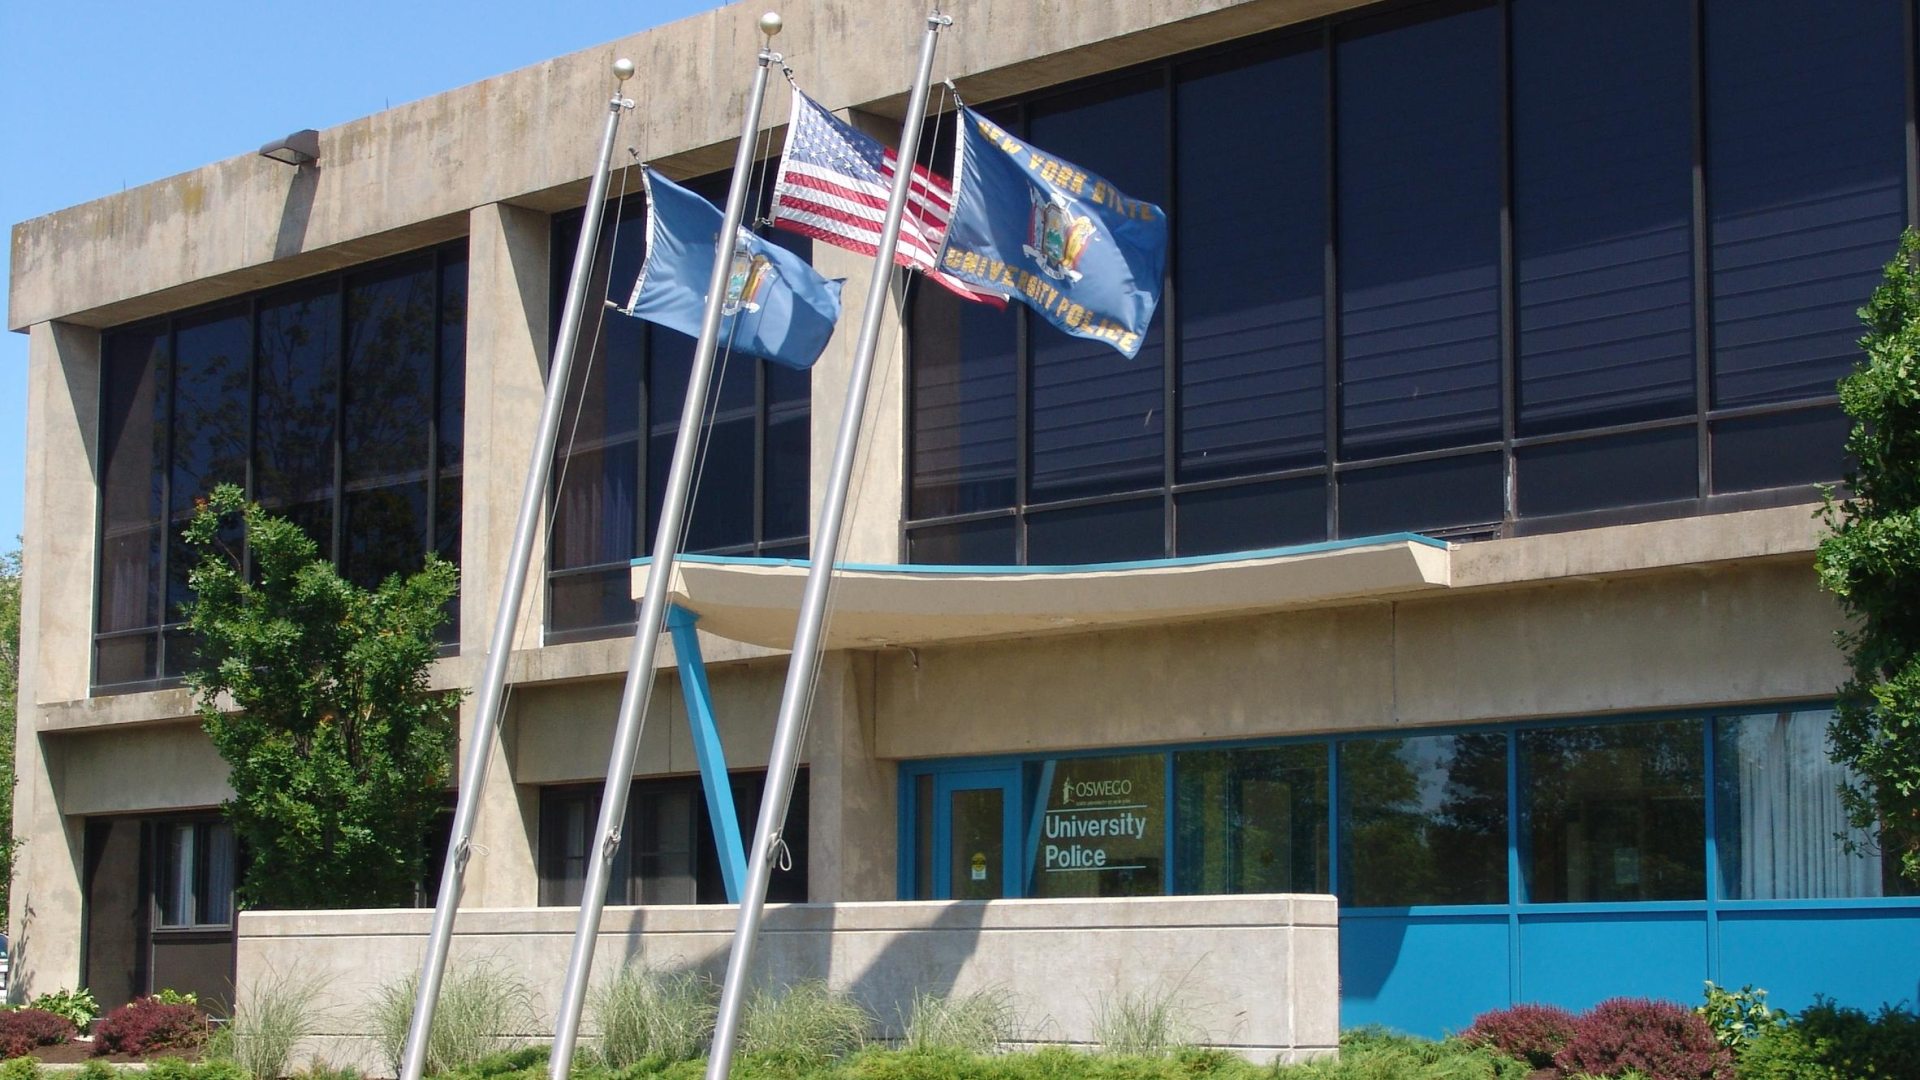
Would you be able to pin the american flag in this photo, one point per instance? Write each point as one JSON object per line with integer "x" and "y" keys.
{"x": 834, "y": 183}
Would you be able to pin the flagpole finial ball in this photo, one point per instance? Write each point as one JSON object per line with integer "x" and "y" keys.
{"x": 623, "y": 69}
{"x": 771, "y": 23}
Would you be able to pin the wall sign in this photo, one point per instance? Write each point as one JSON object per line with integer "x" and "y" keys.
{"x": 1103, "y": 829}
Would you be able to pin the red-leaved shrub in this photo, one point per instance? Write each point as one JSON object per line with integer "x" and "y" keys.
{"x": 146, "y": 1024}
{"x": 1663, "y": 1040}
{"x": 24, "y": 1029}
{"x": 1529, "y": 1033}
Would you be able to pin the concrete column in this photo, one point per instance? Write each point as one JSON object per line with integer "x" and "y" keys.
{"x": 852, "y": 804}
{"x": 872, "y": 530}
{"x": 507, "y": 336}
{"x": 63, "y": 395}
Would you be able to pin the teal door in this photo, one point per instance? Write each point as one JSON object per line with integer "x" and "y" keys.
{"x": 976, "y": 835}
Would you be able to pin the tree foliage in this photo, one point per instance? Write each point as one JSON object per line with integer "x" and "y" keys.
{"x": 314, "y": 690}
{"x": 1871, "y": 562}
{"x": 9, "y": 693}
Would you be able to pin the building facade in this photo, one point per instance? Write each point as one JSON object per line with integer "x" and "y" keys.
{"x": 1447, "y": 548}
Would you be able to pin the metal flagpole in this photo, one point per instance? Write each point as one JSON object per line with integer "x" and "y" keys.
{"x": 805, "y": 659}
{"x": 653, "y": 607}
{"x": 486, "y": 718}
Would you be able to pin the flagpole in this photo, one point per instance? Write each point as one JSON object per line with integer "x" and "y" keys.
{"x": 653, "y": 606}
{"x": 486, "y": 713}
{"x": 805, "y": 659}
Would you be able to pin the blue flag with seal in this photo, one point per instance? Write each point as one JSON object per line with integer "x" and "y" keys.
{"x": 1065, "y": 242}
{"x": 777, "y": 306}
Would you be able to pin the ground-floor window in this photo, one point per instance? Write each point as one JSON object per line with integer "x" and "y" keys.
{"x": 159, "y": 906}
{"x": 1552, "y": 812}
{"x": 668, "y": 852}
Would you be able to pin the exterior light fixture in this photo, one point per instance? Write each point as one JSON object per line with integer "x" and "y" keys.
{"x": 299, "y": 148}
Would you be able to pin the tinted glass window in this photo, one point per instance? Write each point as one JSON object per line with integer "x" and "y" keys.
{"x": 1107, "y": 532}
{"x": 296, "y": 402}
{"x": 1603, "y": 204}
{"x": 1614, "y": 812}
{"x": 1252, "y": 821}
{"x": 963, "y": 375}
{"x": 1249, "y": 516}
{"x": 1806, "y": 109}
{"x": 392, "y": 331}
{"x": 1443, "y": 493}
{"x": 210, "y": 389}
{"x": 133, "y": 424}
{"x": 1250, "y": 273}
{"x": 1419, "y": 226}
{"x": 1424, "y": 820}
{"x": 1098, "y": 419}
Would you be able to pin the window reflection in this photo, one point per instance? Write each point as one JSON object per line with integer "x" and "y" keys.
{"x": 1424, "y": 820}
{"x": 1614, "y": 812}
{"x": 1252, "y": 821}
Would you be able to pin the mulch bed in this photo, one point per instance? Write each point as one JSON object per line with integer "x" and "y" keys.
{"x": 76, "y": 1053}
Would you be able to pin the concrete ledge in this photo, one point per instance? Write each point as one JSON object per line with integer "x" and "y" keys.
{"x": 1259, "y": 974}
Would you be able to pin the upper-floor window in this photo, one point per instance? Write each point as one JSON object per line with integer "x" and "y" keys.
{"x": 624, "y": 396}
{"x": 1459, "y": 267}
{"x": 337, "y": 402}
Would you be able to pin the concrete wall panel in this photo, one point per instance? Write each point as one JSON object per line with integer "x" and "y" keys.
{"x": 1254, "y": 973}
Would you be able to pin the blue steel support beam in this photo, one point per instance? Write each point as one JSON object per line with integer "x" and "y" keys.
{"x": 706, "y": 748}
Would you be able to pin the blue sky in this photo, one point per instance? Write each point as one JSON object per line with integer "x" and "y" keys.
{"x": 97, "y": 97}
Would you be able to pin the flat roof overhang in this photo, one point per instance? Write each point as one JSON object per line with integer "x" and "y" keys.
{"x": 758, "y": 600}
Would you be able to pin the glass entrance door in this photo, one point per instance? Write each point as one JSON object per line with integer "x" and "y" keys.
{"x": 976, "y": 839}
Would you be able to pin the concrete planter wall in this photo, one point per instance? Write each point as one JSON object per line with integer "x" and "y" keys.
{"x": 1258, "y": 974}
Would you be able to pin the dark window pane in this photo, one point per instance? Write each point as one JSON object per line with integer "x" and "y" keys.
{"x": 1806, "y": 110}
{"x": 789, "y": 442}
{"x": 1251, "y": 275}
{"x": 723, "y": 497}
{"x": 1614, "y": 812}
{"x": 213, "y": 362}
{"x": 133, "y": 434}
{"x": 131, "y": 659}
{"x": 601, "y": 600}
{"x": 446, "y": 535}
{"x": 295, "y": 395}
{"x": 386, "y": 532}
{"x": 1251, "y": 821}
{"x": 1419, "y": 203}
{"x": 1099, "y": 419}
{"x": 962, "y": 372}
{"x": 973, "y": 543}
{"x": 597, "y": 512}
{"x": 453, "y": 359}
{"x": 1250, "y": 516}
{"x": 1800, "y": 447}
{"x": 1110, "y": 532}
{"x": 392, "y": 331}
{"x": 1603, "y": 202}
{"x": 178, "y": 646}
{"x": 1616, "y": 470}
{"x": 1424, "y": 820}
{"x": 1440, "y": 494}
{"x": 1778, "y": 817}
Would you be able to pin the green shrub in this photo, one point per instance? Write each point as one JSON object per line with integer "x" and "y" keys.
{"x": 20, "y": 1068}
{"x": 642, "y": 1013}
{"x": 1376, "y": 1054}
{"x": 176, "y": 997}
{"x": 269, "y": 1020}
{"x": 96, "y": 1069}
{"x": 804, "y": 1024}
{"x": 1737, "y": 1016}
{"x": 77, "y": 1006}
{"x": 480, "y": 1011}
{"x": 1831, "y": 1042}
{"x": 979, "y": 1023}
{"x": 1148, "y": 1022}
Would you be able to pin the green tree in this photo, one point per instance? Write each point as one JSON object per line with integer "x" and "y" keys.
{"x": 314, "y": 690}
{"x": 1871, "y": 562}
{"x": 9, "y": 692}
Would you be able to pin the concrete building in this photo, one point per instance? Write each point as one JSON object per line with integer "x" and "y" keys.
{"x": 1447, "y": 549}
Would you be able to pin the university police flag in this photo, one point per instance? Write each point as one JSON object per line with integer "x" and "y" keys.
{"x": 777, "y": 306}
{"x": 1067, "y": 243}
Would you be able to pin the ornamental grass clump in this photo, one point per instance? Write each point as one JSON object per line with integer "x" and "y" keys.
{"x": 1529, "y": 1033}
{"x": 805, "y": 1024}
{"x": 481, "y": 1012}
{"x": 642, "y": 1013}
{"x": 271, "y": 1018}
{"x": 1149, "y": 1022}
{"x": 977, "y": 1023}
